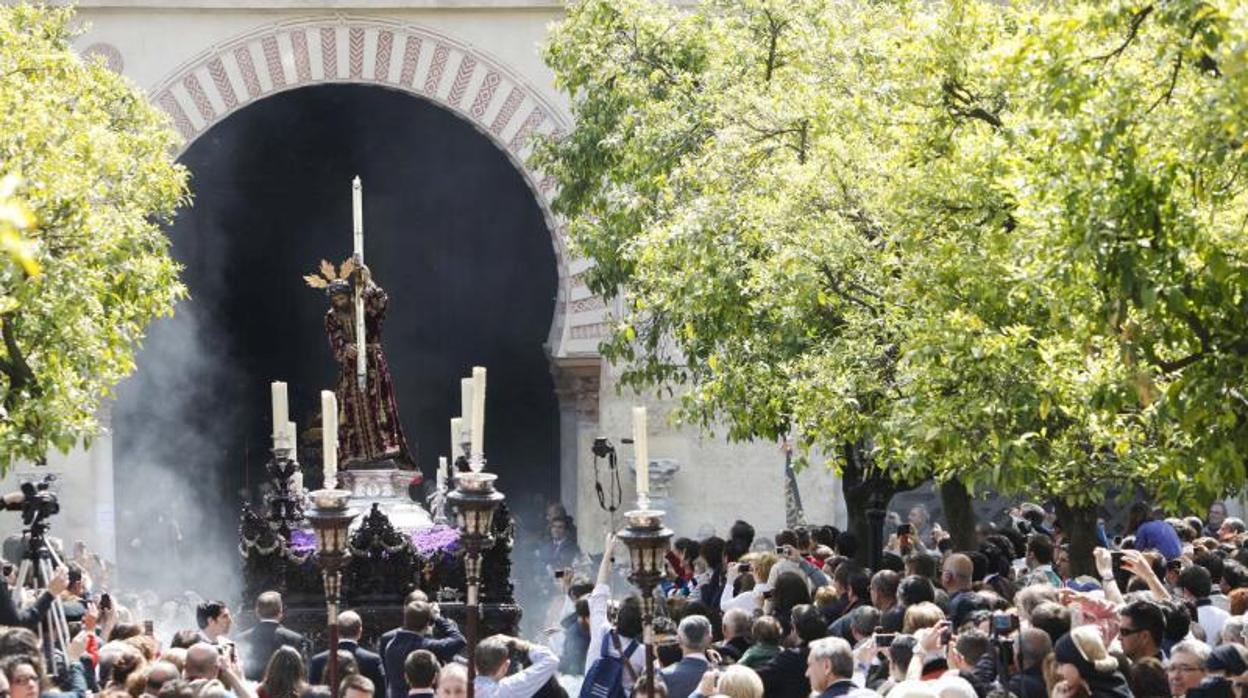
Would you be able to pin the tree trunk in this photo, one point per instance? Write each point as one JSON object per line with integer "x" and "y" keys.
{"x": 1079, "y": 525}
{"x": 959, "y": 514}
{"x": 859, "y": 525}
{"x": 867, "y": 492}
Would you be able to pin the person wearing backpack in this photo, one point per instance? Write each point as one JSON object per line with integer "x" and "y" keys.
{"x": 615, "y": 656}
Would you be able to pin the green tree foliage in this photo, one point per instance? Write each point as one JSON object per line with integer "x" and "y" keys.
{"x": 88, "y": 171}
{"x": 1003, "y": 244}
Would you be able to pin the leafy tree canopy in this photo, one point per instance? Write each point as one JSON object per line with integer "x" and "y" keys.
{"x": 88, "y": 176}
{"x": 1003, "y": 244}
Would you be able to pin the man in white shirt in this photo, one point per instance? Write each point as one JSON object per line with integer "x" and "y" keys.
{"x": 493, "y": 659}
{"x": 1195, "y": 585}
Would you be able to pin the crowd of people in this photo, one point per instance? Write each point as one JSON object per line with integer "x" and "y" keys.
{"x": 787, "y": 616}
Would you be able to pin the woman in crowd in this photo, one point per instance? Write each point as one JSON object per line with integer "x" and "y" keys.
{"x": 734, "y": 682}
{"x": 1083, "y": 663}
{"x": 24, "y": 677}
{"x": 285, "y": 675}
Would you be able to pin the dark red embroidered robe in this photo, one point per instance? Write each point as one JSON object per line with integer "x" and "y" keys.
{"x": 368, "y": 422}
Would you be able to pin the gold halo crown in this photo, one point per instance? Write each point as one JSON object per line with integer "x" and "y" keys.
{"x": 327, "y": 276}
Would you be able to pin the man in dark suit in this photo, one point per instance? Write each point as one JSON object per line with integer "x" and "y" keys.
{"x": 260, "y": 641}
{"x": 386, "y": 637}
{"x": 350, "y": 630}
{"x": 695, "y": 636}
{"x": 424, "y": 628}
{"x": 830, "y": 667}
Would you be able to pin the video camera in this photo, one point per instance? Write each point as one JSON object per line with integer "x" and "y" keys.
{"x": 38, "y": 501}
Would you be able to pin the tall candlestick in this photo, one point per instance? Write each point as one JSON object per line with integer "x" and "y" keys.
{"x": 329, "y": 437}
{"x": 478, "y": 412}
{"x": 280, "y": 414}
{"x": 441, "y": 478}
{"x": 457, "y": 435}
{"x": 357, "y": 214}
{"x": 465, "y": 409}
{"x": 641, "y": 452}
{"x": 357, "y": 229}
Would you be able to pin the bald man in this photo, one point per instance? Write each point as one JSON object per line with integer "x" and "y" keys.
{"x": 205, "y": 664}
{"x": 203, "y": 661}
{"x": 350, "y": 630}
{"x": 955, "y": 577}
{"x": 160, "y": 674}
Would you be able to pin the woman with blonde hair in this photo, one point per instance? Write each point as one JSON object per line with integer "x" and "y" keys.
{"x": 921, "y": 615}
{"x": 453, "y": 681}
{"x": 1084, "y": 663}
{"x": 734, "y": 682}
{"x": 740, "y": 682}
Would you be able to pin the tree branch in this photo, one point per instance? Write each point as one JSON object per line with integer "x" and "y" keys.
{"x": 835, "y": 285}
{"x": 774, "y": 27}
{"x": 1136, "y": 20}
{"x": 959, "y": 102}
{"x": 1174, "y": 80}
{"x": 15, "y": 367}
{"x": 1198, "y": 328}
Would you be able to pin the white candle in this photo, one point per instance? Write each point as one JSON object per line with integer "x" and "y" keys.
{"x": 280, "y": 415}
{"x": 465, "y": 409}
{"x": 329, "y": 436}
{"x": 441, "y": 478}
{"x": 357, "y": 214}
{"x": 641, "y": 451}
{"x": 478, "y": 411}
{"x": 457, "y": 435}
{"x": 292, "y": 439}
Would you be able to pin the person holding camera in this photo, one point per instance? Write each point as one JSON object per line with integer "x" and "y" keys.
{"x": 494, "y": 656}
{"x": 424, "y": 628}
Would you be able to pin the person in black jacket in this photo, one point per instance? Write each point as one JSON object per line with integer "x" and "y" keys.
{"x": 30, "y": 616}
{"x": 259, "y": 642}
{"x": 735, "y": 626}
{"x": 350, "y": 630}
{"x": 785, "y": 675}
{"x": 1033, "y": 646}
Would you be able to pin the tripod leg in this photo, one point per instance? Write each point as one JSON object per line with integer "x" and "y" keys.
{"x": 23, "y": 574}
{"x": 56, "y": 615}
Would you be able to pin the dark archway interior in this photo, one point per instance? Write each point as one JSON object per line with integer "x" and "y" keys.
{"x": 453, "y": 234}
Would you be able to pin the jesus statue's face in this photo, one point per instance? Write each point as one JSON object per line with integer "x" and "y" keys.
{"x": 341, "y": 301}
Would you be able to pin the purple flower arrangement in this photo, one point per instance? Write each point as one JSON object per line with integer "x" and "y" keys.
{"x": 302, "y": 540}
{"x": 435, "y": 539}
{"x": 428, "y": 542}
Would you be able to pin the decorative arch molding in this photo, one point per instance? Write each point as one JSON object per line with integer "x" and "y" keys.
{"x": 453, "y": 74}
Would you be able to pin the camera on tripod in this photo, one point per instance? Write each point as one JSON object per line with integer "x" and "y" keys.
{"x": 38, "y": 501}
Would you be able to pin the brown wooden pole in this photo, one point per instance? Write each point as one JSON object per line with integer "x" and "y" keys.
{"x": 471, "y": 619}
{"x": 332, "y": 669}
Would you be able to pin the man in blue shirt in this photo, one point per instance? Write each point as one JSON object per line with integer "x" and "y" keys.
{"x": 1154, "y": 535}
